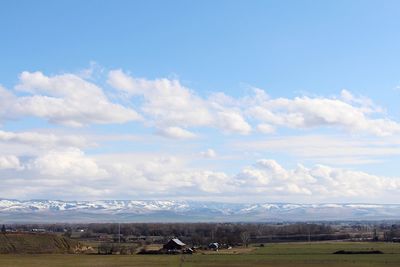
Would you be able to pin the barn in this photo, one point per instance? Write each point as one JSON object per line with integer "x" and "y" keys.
{"x": 174, "y": 244}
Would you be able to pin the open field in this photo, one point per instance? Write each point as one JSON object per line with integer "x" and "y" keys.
{"x": 280, "y": 255}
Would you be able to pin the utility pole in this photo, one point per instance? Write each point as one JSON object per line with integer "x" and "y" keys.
{"x": 119, "y": 233}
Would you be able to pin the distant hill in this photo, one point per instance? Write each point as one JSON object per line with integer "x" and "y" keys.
{"x": 47, "y": 211}
{"x": 36, "y": 243}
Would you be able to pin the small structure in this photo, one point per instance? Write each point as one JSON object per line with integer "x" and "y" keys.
{"x": 39, "y": 230}
{"x": 174, "y": 245}
{"x": 188, "y": 251}
{"x": 214, "y": 246}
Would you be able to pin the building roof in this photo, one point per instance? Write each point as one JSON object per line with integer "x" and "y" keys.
{"x": 178, "y": 242}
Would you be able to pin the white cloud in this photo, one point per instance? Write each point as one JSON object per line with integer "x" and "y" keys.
{"x": 64, "y": 99}
{"x": 71, "y": 100}
{"x": 42, "y": 139}
{"x": 176, "y": 133}
{"x": 164, "y": 176}
{"x": 211, "y": 182}
{"x": 169, "y": 103}
{"x": 71, "y": 173}
{"x": 39, "y": 161}
{"x": 320, "y": 181}
{"x": 9, "y": 162}
{"x": 166, "y": 101}
{"x": 122, "y": 81}
{"x": 209, "y": 153}
{"x": 29, "y": 145}
{"x": 265, "y": 128}
{"x": 70, "y": 162}
{"x": 305, "y": 112}
{"x": 233, "y": 122}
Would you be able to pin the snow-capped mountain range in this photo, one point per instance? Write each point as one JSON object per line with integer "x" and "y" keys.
{"x": 186, "y": 211}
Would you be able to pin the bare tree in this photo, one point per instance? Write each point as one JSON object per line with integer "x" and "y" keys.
{"x": 245, "y": 237}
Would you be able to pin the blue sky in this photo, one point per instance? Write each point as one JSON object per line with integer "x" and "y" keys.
{"x": 236, "y": 100}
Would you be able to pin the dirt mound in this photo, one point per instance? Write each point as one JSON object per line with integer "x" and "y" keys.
{"x": 36, "y": 243}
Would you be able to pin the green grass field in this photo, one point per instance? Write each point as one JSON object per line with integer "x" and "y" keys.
{"x": 279, "y": 255}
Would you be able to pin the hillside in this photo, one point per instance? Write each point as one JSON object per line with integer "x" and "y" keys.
{"x": 36, "y": 243}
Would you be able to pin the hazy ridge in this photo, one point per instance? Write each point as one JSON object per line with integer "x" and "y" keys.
{"x": 186, "y": 211}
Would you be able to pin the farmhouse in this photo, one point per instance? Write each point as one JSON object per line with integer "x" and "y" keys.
{"x": 174, "y": 244}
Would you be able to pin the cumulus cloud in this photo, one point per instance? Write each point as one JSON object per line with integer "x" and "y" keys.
{"x": 165, "y": 176}
{"x": 321, "y": 181}
{"x": 169, "y": 103}
{"x": 29, "y": 145}
{"x": 64, "y": 99}
{"x": 70, "y": 162}
{"x": 305, "y": 112}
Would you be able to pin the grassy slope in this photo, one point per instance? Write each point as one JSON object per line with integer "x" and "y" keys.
{"x": 35, "y": 243}
{"x": 279, "y": 255}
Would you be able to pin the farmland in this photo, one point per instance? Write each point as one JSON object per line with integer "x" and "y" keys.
{"x": 283, "y": 254}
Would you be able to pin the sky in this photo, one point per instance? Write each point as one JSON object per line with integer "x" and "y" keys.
{"x": 236, "y": 101}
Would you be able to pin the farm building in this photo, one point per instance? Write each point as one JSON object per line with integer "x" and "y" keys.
{"x": 214, "y": 246}
{"x": 174, "y": 244}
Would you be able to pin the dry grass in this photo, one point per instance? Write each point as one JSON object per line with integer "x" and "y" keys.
{"x": 35, "y": 243}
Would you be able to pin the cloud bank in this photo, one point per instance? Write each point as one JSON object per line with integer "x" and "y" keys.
{"x": 173, "y": 109}
{"x": 60, "y": 160}
{"x": 82, "y": 176}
